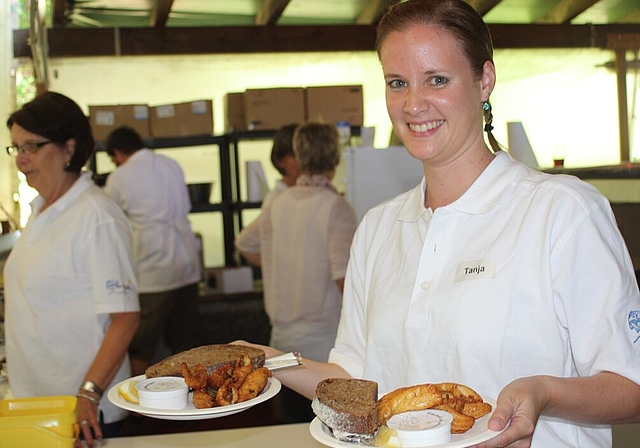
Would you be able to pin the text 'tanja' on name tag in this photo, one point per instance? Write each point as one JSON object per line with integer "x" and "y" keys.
{"x": 475, "y": 270}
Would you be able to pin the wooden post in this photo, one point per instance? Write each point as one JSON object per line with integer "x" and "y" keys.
{"x": 620, "y": 44}
{"x": 623, "y": 110}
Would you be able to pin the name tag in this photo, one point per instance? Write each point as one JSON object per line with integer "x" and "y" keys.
{"x": 475, "y": 269}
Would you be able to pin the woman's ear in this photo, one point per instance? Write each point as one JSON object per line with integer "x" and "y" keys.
{"x": 70, "y": 149}
{"x": 488, "y": 79}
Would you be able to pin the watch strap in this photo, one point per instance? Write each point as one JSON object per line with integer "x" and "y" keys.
{"x": 90, "y": 386}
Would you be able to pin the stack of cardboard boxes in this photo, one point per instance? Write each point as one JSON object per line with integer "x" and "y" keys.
{"x": 167, "y": 120}
{"x": 251, "y": 110}
{"x": 269, "y": 109}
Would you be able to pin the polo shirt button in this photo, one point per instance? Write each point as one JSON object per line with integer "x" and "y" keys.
{"x": 425, "y": 285}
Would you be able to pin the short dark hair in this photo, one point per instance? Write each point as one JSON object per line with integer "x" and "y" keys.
{"x": 124, "y": 139}
{"x": 282, "y": 145}
{"x": 59, "y": 119}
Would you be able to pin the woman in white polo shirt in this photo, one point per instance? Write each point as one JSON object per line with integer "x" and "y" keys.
{"x": 71, "y": 300}
{"x": 490, "y": 274}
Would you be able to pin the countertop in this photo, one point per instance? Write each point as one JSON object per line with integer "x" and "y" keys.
{"x": 275, "y": 436}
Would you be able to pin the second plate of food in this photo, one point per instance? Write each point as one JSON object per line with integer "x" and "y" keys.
{"x": 478, "y": 433}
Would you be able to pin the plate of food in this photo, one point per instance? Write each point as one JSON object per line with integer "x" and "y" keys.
{"x": 205, "y": 382}
{"x": 347, "y": 421}
{"x": 190, "y": 412}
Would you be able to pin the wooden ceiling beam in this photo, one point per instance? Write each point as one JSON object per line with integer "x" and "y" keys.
{"x": 59, "y": 12}
{"x": 566, "y": 10}
{"x": 160, "y": 12}
{"x": 271, "y": 11}
{"x": 71, "y": 42}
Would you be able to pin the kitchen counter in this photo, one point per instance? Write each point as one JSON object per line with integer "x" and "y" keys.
{"x": 275, "y": 436}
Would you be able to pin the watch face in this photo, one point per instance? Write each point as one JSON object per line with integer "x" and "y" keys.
{"x": 90, "y": 386}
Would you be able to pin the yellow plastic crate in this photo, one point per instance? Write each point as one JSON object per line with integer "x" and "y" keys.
{"x": 37, "y": 422}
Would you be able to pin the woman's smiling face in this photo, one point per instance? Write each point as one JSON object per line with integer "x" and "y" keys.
{"x": 433, "y": 98}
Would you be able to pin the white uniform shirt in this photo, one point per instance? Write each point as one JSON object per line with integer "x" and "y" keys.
{"x": 71, "y": 267}
{"x": 306, "y": 235}
{"x": 249, "y": 238}
{"x": 151, "y": 190}
{"x": 525, "y": 274}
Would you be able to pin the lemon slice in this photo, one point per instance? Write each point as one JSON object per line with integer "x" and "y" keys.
{"x": 128, "y": 391}
{"x": 386, "y": 437}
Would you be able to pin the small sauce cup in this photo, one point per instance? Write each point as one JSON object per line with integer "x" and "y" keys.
{"x": 422, "y": 428}
{"x": 165, "y": 392}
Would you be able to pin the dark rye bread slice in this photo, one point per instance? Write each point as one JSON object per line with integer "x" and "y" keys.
{"x": 210, "y": 356}
{"x": 348, "y": 406}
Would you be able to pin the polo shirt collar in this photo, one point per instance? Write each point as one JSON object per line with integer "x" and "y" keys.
{"x": 481, "y": 197}
{"x": 489, "y": 187}
{"x": 79, "y": 186}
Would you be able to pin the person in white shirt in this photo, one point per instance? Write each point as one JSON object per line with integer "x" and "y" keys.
{"x": 306, "y": 233}
{"x": 71, "y": 298}
{"x": 490, "y": 274}
{"x": 151, "y": 190}
{"x": 284, "y": 160}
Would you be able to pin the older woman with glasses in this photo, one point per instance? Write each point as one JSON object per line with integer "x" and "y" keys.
{"x": 71, "y": 300}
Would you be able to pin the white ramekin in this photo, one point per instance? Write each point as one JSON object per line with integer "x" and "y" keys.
{"x": 166, "y": 392}
{"x": 422, "y": 428}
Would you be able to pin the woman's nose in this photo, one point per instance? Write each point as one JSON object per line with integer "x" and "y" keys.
{"x": 415, "y": 102}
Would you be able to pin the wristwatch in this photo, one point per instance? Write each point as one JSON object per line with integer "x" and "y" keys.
{"x": 90, "y": 386}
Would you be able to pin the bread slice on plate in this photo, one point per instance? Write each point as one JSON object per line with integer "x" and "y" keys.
{"x": 349, "y": 407}
{"x": 210, "y": 356}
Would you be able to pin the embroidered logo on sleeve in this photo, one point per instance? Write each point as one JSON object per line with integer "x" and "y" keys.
{"x": 634, "y": 323}
{"x": 115, "y": 287}
{"x": 475, "y": 269}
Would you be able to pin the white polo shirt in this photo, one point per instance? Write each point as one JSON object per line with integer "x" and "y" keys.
{"x": 71, "y": 267}
{"x": 151, "y": 190}
{"x": 525, "y": 274}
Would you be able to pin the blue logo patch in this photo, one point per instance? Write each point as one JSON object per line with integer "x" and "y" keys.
{"x": 634, "y": 322}
{"x": 115, "y": 287}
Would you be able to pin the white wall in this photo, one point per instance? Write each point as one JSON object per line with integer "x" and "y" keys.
{"x": 560, "y": 96}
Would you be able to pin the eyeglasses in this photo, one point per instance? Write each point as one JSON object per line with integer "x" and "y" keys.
{"x": 28, "y": 148}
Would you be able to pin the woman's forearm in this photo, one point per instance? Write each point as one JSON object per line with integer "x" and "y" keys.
{"x": 604, "y": 398}
{"x": 114, "y": 347}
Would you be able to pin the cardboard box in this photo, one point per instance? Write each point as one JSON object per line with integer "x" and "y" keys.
{"x": 182, "y": 119}
{"x": 105, "y": 119}
{"x": 230, "y": 280}
{"x": 234, "y": 113}
{"x": 37, "y": 422}
{"x": 335, "y": 103}
{"x": 270, "y": 109}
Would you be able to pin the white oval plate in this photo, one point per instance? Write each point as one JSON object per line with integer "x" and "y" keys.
{"x": 479, "y": 433}
{"x": 190, "y": 412}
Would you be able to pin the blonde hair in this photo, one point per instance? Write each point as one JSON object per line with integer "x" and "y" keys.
{"x": 317, "y": 147}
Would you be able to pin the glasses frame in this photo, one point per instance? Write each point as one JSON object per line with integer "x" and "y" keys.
{"x": 27, "y": 148}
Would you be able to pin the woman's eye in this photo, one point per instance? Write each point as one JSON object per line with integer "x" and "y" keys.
{"x": 439, "y": 80}
{"x": 396, "y": 84}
